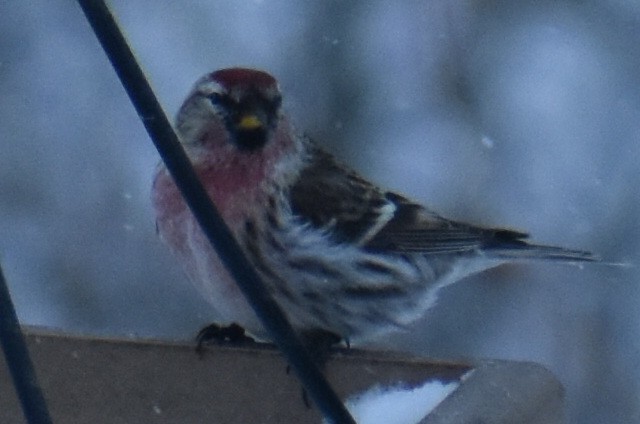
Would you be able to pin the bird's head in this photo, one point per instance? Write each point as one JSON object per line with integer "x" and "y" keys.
{"x": 242, "y": 104}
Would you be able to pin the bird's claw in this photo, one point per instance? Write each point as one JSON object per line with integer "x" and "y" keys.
{"x": 214, "y": 333}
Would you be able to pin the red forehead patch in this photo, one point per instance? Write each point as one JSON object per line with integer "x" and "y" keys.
{"x": 243, "y": 76}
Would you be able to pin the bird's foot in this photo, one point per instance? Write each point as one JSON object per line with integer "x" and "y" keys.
{"x": 214, "y": 333}
{"x": 319, "y": 344}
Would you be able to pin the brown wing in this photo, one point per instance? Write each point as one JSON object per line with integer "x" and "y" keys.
{"x": 335, "y": 198}
{"x": 331, "y": 196}
{"x": 415, "y": 229}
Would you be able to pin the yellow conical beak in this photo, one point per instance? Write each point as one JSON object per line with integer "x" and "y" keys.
{"x": 249, "y": 122}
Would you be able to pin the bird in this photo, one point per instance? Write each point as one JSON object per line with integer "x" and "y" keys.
{"x": 340, "y": 255}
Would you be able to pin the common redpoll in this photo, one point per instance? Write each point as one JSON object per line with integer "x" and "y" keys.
{"x": 339, "y": 254}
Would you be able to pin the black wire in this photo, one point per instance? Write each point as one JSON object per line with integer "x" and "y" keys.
{"x": 20, "y": 366}
{"x": 219, "y": 235}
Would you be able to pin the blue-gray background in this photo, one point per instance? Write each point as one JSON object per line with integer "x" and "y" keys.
{"x": 515, "y": 113}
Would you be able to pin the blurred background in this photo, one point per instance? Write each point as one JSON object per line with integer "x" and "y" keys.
{"x": 523, "y": 114}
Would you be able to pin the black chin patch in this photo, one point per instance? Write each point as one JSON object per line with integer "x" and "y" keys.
{"x": 250, "y": 140}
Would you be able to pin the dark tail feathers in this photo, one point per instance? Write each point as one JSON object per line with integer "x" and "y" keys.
{"x": 508, "y": 244}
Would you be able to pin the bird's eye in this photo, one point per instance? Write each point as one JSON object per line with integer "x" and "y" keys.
{"x": 216, "y": 98}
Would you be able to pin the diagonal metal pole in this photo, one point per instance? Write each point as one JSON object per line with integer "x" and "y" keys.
{"x": 19, "y": 363}
{"x": 219, "y": 235}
